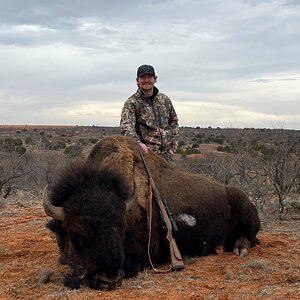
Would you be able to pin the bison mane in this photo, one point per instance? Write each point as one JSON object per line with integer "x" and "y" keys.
{"x": 79, "y": 177}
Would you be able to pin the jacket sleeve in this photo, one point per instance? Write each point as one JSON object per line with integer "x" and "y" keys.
{"x": 171, "y": 134}
{"x": 128, "y": 120}
{"x": 175, "y": 128}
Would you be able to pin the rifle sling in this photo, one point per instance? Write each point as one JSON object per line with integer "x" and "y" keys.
{"x": 150, "y": 209}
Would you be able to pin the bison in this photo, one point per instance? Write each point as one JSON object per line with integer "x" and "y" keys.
{"x": 100, "y": 214}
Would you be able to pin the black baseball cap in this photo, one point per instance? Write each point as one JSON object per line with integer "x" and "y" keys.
{"x": 145, "y": 69}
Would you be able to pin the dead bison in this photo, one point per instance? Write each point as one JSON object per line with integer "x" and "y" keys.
{"x": 99, "y": 210}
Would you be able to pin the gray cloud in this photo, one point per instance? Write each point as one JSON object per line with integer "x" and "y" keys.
{"x": 75, "y": 62}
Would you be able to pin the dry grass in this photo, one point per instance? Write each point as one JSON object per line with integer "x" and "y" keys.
{"x": 29, "y": 269}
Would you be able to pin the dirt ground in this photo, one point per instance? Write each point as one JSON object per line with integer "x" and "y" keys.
{"x": 29, "y": 268}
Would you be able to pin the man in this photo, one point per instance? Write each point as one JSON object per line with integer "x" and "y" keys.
{"x": 149, "y": 116}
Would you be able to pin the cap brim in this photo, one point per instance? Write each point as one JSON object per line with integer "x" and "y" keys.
{"x": 145, "y": 73}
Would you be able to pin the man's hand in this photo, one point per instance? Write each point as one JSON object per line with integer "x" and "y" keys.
{"x": 144, "y": 147}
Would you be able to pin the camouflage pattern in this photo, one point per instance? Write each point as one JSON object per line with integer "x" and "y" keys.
{"x": 152, "y": 122}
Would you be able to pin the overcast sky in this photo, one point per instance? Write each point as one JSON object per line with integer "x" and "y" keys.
{"x": 233, "y": 63}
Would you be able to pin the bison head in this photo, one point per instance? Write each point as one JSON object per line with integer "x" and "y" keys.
{"x": 91, "y": 203}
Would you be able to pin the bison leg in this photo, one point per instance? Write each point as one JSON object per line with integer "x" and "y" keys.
{"x": 241, "y": 247}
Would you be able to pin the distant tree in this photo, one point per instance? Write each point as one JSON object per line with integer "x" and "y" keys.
{"x": 278, "y": 171}
{"x": 248, "y": 176}
{"x": 12, "y": 168}
{"x": 45, "y": 168}
{"x": 283, "y": 170}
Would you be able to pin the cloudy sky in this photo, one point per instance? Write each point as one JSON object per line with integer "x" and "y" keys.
{"x": 233, "y": 63}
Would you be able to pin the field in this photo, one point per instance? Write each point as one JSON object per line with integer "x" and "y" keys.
{"x": 28, "y": 251}
{"x": 29, "y": 268}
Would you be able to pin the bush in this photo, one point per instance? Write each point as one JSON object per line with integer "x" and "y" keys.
{"x": 93, "y": 140}
{"x": 296, "y": 206}
{"x": 17, "y": 142}
{"x": 21, "y": 150}
{"x": 225, "y": 149}
{"x": 73, "y": 151}
{"x": 7, "y": 145}
{"x": 200, "y": 135}
{"x": 179, "y": 150}
{"x": 10, "y": 145}
{"x": 190, "y": 150}
{"x": 82, "y": 142}
{"x": 28, "y": 140}
{"x": 56, "y": 145}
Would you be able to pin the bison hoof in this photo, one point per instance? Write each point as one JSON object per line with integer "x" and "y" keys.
{"x": 244, "y": 252}
{"x": 236, "y": 251}
{"x": 240, "y": 252}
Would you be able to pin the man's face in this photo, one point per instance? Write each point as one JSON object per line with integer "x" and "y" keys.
{"x": 146, "y": 82}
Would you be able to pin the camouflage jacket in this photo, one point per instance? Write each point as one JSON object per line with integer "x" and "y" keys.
{"x": 153, "y": 122}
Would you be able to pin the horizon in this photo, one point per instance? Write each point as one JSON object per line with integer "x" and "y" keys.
{"x": 20, "y": 126}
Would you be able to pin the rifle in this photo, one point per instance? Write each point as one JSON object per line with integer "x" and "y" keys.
{"x": 176, "y": 259}
{"x": 170, "y": 215}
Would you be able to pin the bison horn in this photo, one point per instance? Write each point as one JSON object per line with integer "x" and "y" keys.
{"x": 51, "y": 210}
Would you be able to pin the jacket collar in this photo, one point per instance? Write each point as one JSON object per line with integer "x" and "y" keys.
{"x": 155, "y": 92}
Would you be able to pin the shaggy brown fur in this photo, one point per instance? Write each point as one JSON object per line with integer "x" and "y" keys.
{"x": 113, "y": 182}
{"x": 185, "y": 192}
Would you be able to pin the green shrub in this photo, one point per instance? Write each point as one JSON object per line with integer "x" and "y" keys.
{"x": 179, "y": 150}
{"x": 225, "y": 149}
{"x": 200, "y": 135}
{"x": 17, "y": 142}
{"x": 10, "y": 144}
{"x": 56, "y": 145}
{"x": 190, "y": 150}
{"x": 73, "y": 151}
{"x": 296, "y": 205}
{"x": 21, "y": 150}
{"x": 28, "y": 140}
{"x": 7, "y": 145}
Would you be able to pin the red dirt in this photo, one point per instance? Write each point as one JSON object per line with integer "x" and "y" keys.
{"x": 28, "y": 253}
